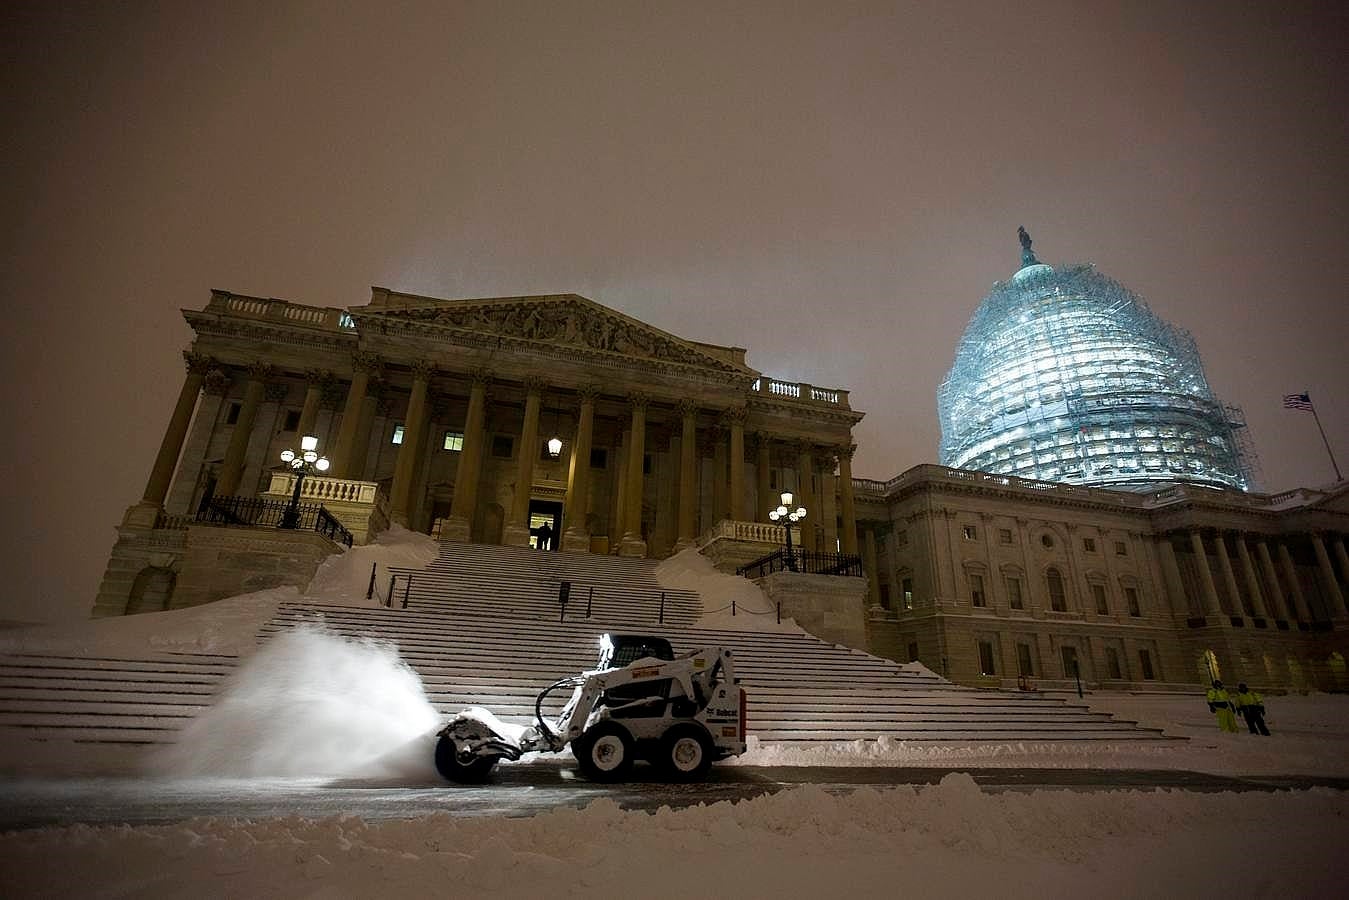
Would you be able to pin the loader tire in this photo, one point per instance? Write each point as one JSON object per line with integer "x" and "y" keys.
{"x": 605, "y": 752}
{"x": 686, "y": 753}
{"x": 448, "y": 765}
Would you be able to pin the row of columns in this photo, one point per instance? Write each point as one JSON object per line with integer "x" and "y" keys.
{"x": 1257, "y": 589}
{"x": 348, "y": 454}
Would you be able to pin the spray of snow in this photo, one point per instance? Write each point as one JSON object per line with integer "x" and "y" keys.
{"x": 311, "y": 703}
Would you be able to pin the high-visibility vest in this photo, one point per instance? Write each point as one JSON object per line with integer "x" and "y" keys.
{"x": 1219, "y": 698}
{"x": 1250, "y": 698}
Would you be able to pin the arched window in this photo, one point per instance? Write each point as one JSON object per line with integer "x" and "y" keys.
{"x": 1058, "y": 602}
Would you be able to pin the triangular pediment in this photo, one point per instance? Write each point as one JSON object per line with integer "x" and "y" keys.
{"x": 561, "y": 320}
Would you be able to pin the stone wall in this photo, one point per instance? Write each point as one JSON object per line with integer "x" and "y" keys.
{"x": 831, "y": 607}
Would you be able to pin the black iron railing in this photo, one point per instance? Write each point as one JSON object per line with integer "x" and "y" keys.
{"x": 804, "y": 561}
{"x": 255, "y": 512}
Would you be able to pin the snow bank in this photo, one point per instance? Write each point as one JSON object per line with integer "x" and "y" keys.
{"x": 690, "y": 570}
{"x": 947, "y": 840}
{"x": 344, "y": 578}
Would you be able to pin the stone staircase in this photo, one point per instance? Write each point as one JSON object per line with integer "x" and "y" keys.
{"x": 483, "y": 626}
{"x": 523, "y": 583}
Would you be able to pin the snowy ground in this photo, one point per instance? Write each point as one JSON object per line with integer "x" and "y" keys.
{"x": 951, "y": 839}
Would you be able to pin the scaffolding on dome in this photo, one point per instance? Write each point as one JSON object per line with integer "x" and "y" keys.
{"x": 1063, "y": 374}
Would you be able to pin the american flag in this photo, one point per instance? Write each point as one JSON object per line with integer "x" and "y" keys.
{"x": 1297, "y": 401}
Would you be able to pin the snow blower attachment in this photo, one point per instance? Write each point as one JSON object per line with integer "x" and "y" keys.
{"x": 640, "y": 702}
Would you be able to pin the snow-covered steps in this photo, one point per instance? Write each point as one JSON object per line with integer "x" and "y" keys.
{"x": 800, "y": 688}
{"x": 487, "y": 579}
{"x": 105, "y": 699}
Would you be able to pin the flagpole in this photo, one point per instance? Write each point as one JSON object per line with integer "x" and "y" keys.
{"x": 1334, "y": 465}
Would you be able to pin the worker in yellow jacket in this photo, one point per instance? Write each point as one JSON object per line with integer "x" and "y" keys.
{"x": 1252, "y": 707}
{"x": 1221, "y": 704}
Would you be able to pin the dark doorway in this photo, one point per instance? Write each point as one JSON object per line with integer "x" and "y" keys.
{"x": 545, "y": 524}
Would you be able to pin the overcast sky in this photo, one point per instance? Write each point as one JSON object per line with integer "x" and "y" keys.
{"x": 833, "y": 186}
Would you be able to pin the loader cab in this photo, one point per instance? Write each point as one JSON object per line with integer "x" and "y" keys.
{"x": 619, "y": 650}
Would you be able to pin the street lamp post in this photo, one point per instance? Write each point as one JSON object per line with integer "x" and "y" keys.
{"x": 306, "y": 462}
{"x": 785, "y": 511}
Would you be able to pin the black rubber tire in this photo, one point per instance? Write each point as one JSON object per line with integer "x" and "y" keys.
{"x": 449, "y": 766}
{"x": 605, "y": 752}
{"x": 686, "y": 753}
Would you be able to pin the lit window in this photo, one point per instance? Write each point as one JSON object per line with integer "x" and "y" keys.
{"x": 969, "y": 532}
{"x": 454, "y": 440}
{"x": 906, "y": 588}
{"x": 398, "y": 433}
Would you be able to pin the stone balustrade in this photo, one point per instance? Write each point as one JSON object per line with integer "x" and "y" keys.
{"x": 359, "y": 505}
{"x": 291, "y": 313}
{"x": 760, "y": 532}
{"x": 800, "y": 390}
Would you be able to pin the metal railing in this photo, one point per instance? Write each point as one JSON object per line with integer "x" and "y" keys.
{"x": 807, "y": 562}
{"x": 256, "y": 512}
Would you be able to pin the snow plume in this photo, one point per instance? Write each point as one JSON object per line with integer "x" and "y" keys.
{"x": 312, "y": 703}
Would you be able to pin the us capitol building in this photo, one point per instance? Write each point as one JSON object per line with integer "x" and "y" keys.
{"x": 1093, "y": 519}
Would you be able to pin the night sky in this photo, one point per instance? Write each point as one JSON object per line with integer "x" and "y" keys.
{"x": 833, "y": 186}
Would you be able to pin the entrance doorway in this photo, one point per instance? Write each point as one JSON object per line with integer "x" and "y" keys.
{"x": 545, "y": 524}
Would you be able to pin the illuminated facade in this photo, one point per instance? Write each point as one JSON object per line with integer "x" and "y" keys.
{"x": 1065, "y": 375}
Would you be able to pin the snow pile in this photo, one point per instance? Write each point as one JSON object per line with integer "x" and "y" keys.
{"x": 948, "y": 840}
{"x": 313, "y": 704}
{"x": 344, "y": 578}
{"x": 690, "y": 570}
{"x": 226, "y": 626}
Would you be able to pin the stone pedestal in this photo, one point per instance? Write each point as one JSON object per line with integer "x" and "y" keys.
{"x": 831, "y": 607}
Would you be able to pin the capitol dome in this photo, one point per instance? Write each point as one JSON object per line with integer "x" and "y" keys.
{"x": 1065, "y": 375}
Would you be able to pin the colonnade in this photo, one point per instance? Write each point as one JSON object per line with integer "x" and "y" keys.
{"x": 369, "y": 377}
{"x": 1262, "y": 584}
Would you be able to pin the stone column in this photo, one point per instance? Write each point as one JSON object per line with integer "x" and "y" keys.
{"x": 157, "y": 487}
{"x": 464, "y": 504}
{"x": 633, "y": 544}
{"x": 869, "y": 563}
{"x": 763, "y": 463}
{"x": 363, "y": 365}
{"x": 716, "y": 440}
{"x": 849, "y": 509}
{"x": 1175, "y": 586}
{"x": 1229, "y": 576}
{"x": 1337, "y": 609}
{"x": 182, "y": 498}
{"x": 618, "y": 486}
{"x": 688, "y": 473}
{"x": 517, "y": 527}
{"x": 236, "y": 455}
{"x": 1212, "y": 606}
{"x": 736, "y": 420}
{"x": 1290, "y": 572}
{"x": 1340, "y": 555}
{"x": 405, "y": 467}
{"x": 805, "y": 471}
{"x": 1276, "y": 598}
{"x": 316, "y": 380}
{"x": 1252, "y": 582}
{"x": 577, "y": 534}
